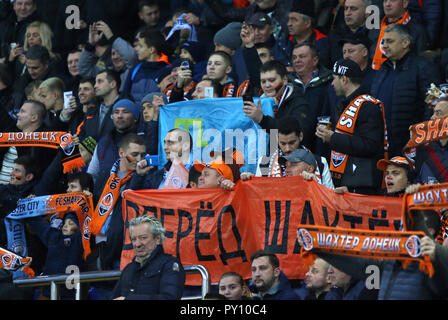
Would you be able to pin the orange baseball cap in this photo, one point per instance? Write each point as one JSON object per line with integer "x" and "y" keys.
{"x": 237, "y": 156}
{"x": 220, "y": 166}
{"x": 396, "y": 161}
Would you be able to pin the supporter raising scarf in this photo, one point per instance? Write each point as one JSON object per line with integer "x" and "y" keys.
{"x": 71, "y": 159}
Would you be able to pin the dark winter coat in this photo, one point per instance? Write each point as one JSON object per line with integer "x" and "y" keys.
{"x": 403, "y": 90}
{"x": 161, "y": 277}
{"x": 364, "y": 147}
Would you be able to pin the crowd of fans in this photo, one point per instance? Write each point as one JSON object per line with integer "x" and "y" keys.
{"x": 103, "y": 69}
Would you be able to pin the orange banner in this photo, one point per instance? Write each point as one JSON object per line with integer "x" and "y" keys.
{"x": 221, "y": 229}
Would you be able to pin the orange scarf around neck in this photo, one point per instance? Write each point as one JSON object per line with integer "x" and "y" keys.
{"x": 346, "y": 125}
{"x": 108, "y": 199}
{"x": 379, "y": 56}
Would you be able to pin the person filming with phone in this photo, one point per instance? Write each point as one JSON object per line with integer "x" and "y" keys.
{"x": 184, "y": 86}
{"x": 289, "y": 102}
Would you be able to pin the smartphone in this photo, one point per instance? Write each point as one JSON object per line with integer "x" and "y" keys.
{"x": 248, "y": 97}
{"x": 185, "y": 64}
{"x": 152, "y": 161}
{"x": 67, "y": 96}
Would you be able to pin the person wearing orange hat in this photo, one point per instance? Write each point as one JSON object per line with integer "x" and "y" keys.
{"x": 213, "y": 174}
{"x": 220, "y": 172}
{"x": 398, "y": 175}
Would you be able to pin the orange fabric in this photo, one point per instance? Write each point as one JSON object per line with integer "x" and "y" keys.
{"x": 107, "y": 201}
{"x": 242, "y": 88}
{"x": 29, "y": 272}
{"x": 379, "y": 57}
{"x": 82, "y": 205}
{"x": 31, "y": 139}
{"x": 228, "y": 90}
{"x": 221, "y": 229}
{"x": 428, "y": 197}
{"x": 346, "y": 125}
{"x": 403, "y": 246}
{"x": 220, "y": 166}
{"x": 240, "y": 3}
{"x": 11, "y": 261}
{"x": 164, "y": 58}
{"x": 425, "y": 132}
{"x": 78, "y": 129}
{"x": 70, "y": 162}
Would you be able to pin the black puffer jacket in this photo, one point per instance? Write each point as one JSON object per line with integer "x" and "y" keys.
{"x": 295, "y": 106}
{"x": 161, "y": 277}
{"x": 364, "y": 147}
{"x": 315, "y": 93}
{"x": 404, "y": 98}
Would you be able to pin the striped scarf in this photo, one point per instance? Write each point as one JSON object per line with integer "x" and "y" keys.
{"x": 71, "y": 159}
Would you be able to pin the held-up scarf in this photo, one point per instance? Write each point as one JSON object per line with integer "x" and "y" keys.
{"x": 379, "y": 57}
{"x": 13, "y": 262}
{"x": 346, "y": 125}
{"x": 428, "y": 197}
{"x": 99, "y": 223}
{"x": 423, "y": 133}
{"x": 71, "y": 159}
{"x": 58, "y": 204}
{"x": 404, "y": 246}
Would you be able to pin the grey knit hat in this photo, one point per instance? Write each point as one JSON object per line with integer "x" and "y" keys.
{"x": 150, "y": 96}
{"x": 229, "y": 36}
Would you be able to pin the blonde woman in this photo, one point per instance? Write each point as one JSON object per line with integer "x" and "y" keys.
{"x": 37, "y": 33}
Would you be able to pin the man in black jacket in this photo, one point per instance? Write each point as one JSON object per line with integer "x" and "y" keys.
{"x": 152, "y": 274}
{"x": 358, "y": 140}
{"x": 29, "y": 119}
{"x": 314, "y": 81}
{"x": 401, "y": 84}
{"x": 38, "y": 67}
{"x": 289, "y": 101}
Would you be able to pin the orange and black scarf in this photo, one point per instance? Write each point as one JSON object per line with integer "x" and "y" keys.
{"x": 428, "y": 197}
{"x": 346, "y": 125}
{"x": 108, "y": 199}
{"x": 400, "y": 245}
{"x": 423, "y": 133}
{"x": 71, "y": 159}
{"x": 229, "y": 90}
{"x": 57, "y": 205}
{"x": 13, "y": 262}
{"x": 379, "y": 56}
{"x": 404, "y": 246}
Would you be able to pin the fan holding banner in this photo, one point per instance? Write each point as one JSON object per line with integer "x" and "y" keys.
{"x": 406, "y": 259}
